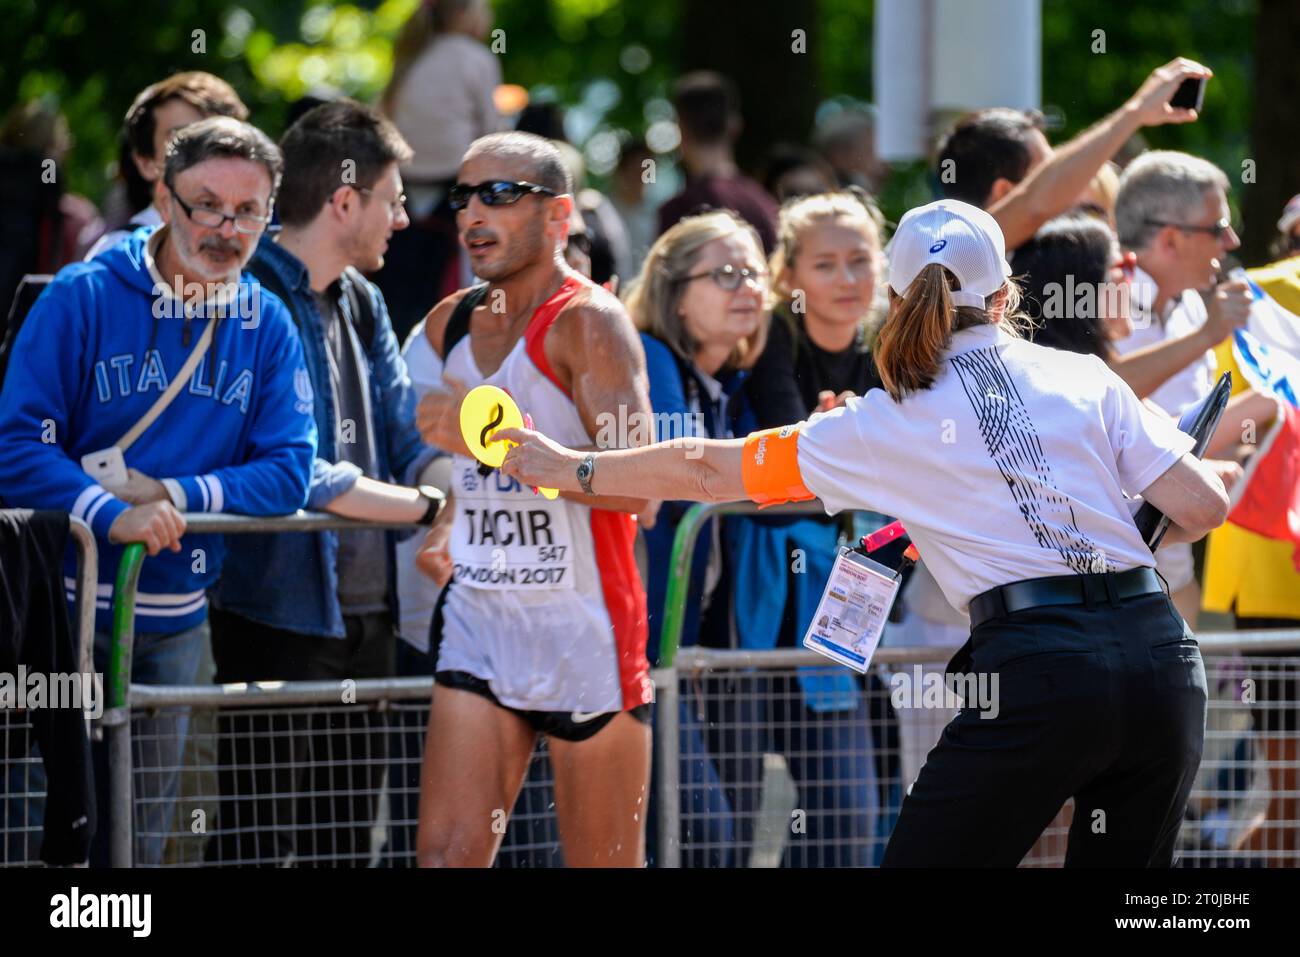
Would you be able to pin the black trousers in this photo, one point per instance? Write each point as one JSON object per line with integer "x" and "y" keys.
{"x": 1104, "y": 704}
{"x": 300, "y": 780}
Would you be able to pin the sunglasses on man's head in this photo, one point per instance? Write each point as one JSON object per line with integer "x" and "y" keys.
{"x": 494, "y": 192}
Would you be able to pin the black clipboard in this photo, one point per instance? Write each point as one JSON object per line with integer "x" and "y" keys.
{"x": 1199, "y": 422}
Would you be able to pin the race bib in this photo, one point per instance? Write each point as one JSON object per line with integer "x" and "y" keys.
{"x": 505, "y": 536}
{"x": 854, "y": 608}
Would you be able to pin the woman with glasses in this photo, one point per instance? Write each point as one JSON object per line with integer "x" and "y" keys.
{"x": 700, "y": 302}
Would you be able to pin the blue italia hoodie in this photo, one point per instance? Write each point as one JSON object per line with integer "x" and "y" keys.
{"x": 99, "y": 347}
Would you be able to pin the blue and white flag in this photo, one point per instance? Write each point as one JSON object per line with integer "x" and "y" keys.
{"x": 1270, "y": 322}
{"x": 1270, "y": 371}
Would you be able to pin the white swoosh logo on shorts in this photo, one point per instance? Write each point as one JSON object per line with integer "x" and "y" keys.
{"x": 582, "y": 717}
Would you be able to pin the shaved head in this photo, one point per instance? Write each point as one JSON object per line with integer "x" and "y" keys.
{"x": 536, "y": 158}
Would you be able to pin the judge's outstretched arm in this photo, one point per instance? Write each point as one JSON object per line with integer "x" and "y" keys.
{"x": 709, "y": 470}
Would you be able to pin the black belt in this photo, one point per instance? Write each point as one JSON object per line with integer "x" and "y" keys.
{"x": 1062, "y": 590}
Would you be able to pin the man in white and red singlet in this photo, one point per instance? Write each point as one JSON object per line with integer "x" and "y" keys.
{"x": 542, "y": 626}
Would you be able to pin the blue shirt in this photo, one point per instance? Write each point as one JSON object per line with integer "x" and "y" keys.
{"x": 290, "y": 581}
{"x": 99, "y": 347}
{"x": 686, "y": 404}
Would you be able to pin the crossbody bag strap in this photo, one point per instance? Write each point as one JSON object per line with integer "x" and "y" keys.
{"x": 173, "y": 390}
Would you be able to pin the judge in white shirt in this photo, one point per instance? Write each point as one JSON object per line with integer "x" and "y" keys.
{"x": 1010, "y": 466}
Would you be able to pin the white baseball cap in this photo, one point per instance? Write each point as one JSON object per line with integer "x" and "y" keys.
{"x": 958, "y": 236}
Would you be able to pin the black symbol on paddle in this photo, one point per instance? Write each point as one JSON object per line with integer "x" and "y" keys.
{"x": 498, "y": 415}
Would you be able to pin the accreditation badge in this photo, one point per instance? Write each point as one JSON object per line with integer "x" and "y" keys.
{"x": 853, "y": 610}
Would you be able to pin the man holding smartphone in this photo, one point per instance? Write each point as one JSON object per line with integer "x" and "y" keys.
{"x": 1000, "y": 160}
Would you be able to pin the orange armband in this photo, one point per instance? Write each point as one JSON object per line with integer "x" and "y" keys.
{"x": 770, "y": 467}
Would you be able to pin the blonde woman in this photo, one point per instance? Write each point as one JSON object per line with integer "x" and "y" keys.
{"x": 825, "y": 273}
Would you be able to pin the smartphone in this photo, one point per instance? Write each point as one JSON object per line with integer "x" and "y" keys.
{"x": 1189, "y": 94}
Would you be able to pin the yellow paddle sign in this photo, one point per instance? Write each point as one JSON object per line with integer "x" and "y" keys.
{"x": 485, "y": 411}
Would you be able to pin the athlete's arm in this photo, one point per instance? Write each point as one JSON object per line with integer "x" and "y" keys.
{"x": 594, "y": 348}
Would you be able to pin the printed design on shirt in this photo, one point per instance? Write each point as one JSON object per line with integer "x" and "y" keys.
{"x": 115, "y": 378}
{"x": 1014, "y": 445}
{"x": 303, "y": 390}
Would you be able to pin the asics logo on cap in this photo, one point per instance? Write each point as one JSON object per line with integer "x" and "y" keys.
{"x": 938, "y": 246}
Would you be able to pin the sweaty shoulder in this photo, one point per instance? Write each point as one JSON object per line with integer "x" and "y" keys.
{"x": 593, "y": 328}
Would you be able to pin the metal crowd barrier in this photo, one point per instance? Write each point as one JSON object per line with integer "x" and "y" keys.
{"x": 20, "y": 832}
{"x": 118, "y": 714}
{"x": 738, "y": 732}
{"x": 753, "y": 767}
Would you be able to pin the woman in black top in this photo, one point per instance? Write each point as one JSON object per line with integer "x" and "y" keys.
{"x": 824, "y": 274}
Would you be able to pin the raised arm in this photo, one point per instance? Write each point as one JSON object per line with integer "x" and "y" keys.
{"x": 1053, "y": 187}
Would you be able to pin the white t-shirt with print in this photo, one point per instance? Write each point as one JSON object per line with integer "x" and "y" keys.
{"x": 1013, "y": 465}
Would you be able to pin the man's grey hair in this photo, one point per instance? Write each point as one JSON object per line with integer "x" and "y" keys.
{"x": 1162, "y": 186}
{"x": 219, "y": 136}
{"x": 540, "y": 161}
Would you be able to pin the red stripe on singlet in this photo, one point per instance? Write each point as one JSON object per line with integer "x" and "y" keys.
{"x": 613, "y": 533}
{"x": 540, "y": 324}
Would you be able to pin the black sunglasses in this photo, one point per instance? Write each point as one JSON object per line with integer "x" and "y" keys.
{"x": 494, "y": 192}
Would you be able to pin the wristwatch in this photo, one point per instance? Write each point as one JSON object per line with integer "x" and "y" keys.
{"x": 586, "y": 469}
{"x": 434, "y": 498}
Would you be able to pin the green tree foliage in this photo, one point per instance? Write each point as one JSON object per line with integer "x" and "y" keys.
{"x": 610, "y": 61}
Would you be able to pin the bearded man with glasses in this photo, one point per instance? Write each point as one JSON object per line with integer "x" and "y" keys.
{"x": 168, "y": 318}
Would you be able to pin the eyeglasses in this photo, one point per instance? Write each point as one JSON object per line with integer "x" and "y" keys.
{"x": 494, "y": 192}
{"x": 245, "y": 223}
{"x": 729, "y": 277}
{"x": 1216, "y": 230}
{"x": 394, "y": 207}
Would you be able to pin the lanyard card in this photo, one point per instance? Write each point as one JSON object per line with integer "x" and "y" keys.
{"x": 851, "y": 616}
